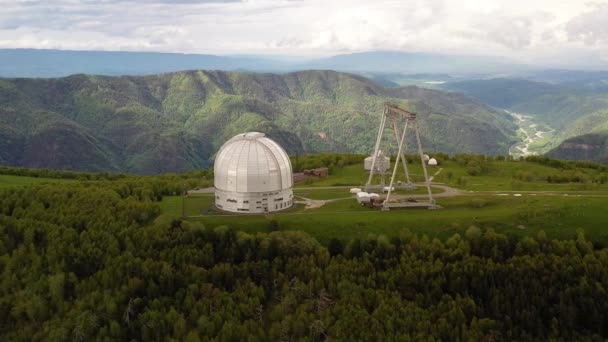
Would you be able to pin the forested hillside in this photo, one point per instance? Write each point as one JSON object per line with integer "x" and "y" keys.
{"x": 557, "y": 105}
{"x": 584, "y": 147}
{"x": 92, "y": 260}
{"x": 176, "y": 122}
{"x": 576, "y": 108}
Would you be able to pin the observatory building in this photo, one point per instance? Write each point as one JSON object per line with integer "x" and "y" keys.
{"x": 383, "y": 163}
{"x": 252, "y": 175}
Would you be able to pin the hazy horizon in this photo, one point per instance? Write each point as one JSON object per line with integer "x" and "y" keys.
{"x": 536, "y": 33}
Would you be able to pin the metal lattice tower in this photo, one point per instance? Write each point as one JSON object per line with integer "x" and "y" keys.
{"x": 399, "y": 118}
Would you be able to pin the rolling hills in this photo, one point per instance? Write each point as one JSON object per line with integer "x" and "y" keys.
{"x": 175, "y": 122}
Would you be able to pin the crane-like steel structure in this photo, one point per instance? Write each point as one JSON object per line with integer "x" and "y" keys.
{"x": 398, "y": 117}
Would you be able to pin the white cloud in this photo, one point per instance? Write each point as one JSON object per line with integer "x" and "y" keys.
{"x": 590, "y": 27}
{"x": 523, "y": 29}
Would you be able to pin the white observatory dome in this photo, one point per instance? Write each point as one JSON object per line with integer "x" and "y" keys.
{"x": 433, "y": 162}
{"x": 252, "y": 175}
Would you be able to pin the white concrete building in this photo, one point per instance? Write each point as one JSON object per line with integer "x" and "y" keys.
{"x": 252, "y": 175}
{"x": 383, "y": 163}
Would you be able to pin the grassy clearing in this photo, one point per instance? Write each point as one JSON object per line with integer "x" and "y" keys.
{"x": 501, "y": 176}
{"x": 337, "y": 193}
{"x": 542, "y": 206}
{"x": 199, "y": 204}
{"x": 558, "y": 216}
{"x": 9, "y": 181}
{"x": 355, "y": 175}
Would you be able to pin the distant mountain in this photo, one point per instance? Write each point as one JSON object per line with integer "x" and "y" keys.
{"x": 592, "y": 147}
{"x": 177, "y": 121}
{"x": 588, "y": 80}
{"x": 59, "y": 63}
{"x": 414, "y": 63}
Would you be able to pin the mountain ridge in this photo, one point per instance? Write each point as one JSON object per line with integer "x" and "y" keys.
{"x": 175, "y": 122}
{"x": 593, "y": 147}
{"x": 62, "y": 63}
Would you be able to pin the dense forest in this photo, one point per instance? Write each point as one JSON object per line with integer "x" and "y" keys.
{"x": 94, "y": 260}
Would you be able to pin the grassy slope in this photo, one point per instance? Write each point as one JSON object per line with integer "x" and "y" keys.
{"x": 176, "y": 122}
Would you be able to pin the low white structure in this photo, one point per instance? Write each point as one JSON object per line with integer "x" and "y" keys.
{"x": 388, "y": 188}
{"x": 374, "y": 196}
{"x": 362, "y": 197}
{"x": 432, "y": 162}
{"x": 426, "y": 157}
{"x": 383, "y": 163}
{"x": 355, "y": 190}
{"x": 253, "y": 174}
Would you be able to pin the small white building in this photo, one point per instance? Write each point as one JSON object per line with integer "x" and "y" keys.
{"x": 355, "y": 190}
{"x": 432, "y": 162}
{"x": 383, "y": 163}
{"x": 362, "y": 197}
{"x": 253, "y": 174}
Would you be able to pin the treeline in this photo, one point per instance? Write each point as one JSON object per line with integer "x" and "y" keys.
{"x": 564, "y": 171}
{"x": 177, "y": 183}
{"x": 330, "y": 160}
{"x": 59, "y": 174}
{"x": 566, "y": 164}
{"x": 94, "y": 261}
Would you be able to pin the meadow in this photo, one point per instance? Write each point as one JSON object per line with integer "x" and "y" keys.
{"x": 498, "y": 198}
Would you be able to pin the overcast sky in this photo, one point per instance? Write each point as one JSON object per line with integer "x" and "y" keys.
{"x": 527, "y": 30}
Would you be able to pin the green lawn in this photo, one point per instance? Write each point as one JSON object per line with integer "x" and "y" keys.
{"x": 559, "y": 216}
{"x": 325, "y": 194}
{"x": 8, "y": 181}
{"x": 541, "y": 206}
{"x": 355, "y": 175}
{"x": 499, "y": 177}
{"x": 194, "y": 205}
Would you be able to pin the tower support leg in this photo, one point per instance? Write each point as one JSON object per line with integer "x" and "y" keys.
{"x": 426, "y": 175}
{"x": 376, "y": 150}
{"x": 395, "y": 167}
{"x": 403, "y": 160}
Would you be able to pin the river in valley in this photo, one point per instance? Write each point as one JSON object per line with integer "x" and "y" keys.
{"x": 531, "y": 133}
